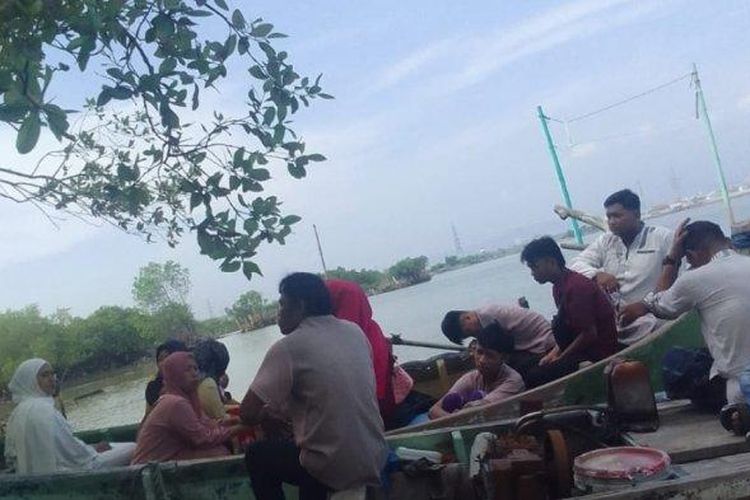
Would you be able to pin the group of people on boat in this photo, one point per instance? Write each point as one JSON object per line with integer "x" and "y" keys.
{"x": 316, "y": 412}
{"x": 621, "y": 288}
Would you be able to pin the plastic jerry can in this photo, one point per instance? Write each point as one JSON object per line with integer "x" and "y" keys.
{"x": 631, "y": 396}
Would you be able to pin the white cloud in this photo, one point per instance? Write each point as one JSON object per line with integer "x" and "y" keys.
{"x": 479, "y": 57}
{"x": 412, "y": 63}
{"x": 583, "y": 150}
{"x": 744, "y": 103}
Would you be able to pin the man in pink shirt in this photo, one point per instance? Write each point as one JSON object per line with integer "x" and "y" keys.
{"x": 492, "y": 381}
{"x": 531, "y": 332}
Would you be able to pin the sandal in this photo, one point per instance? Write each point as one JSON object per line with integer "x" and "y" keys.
{"x": 740, "y": 425}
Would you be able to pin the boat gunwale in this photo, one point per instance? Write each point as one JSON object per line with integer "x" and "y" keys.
{"x": 479, "y": 414}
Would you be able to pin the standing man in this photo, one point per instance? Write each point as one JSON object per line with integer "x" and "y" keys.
{"x": 531, "y": 332}
{"x": 584, "y": 327}
{"x": 320, "y": 376}
{"x": 626, "y": 262}
{"x": 718, "y": 287}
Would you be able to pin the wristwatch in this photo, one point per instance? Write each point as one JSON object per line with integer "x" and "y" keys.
{"x": 669, "y": 261}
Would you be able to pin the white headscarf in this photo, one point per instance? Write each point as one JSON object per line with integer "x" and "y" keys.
{"x": 38, "y": 439}
{"x": 24, "y": 384}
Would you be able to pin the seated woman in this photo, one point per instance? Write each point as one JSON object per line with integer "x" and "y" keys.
{"x": 213, "y": 358}
{"x": 38, "y": 439}
{"x": 154, "y": 387}
{"x": 392, "y": 384}
{"x": 492, "y": 381}
{"x": 177, "y": 429}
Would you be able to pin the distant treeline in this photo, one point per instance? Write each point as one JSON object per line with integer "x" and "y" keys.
{"x": 114, "y": 336}
{"x": 109, "y": 337}
{"x": 406, "y": 272}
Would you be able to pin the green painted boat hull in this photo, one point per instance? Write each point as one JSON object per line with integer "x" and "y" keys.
{"x": 585, "y": 386}
{"x": 226, "y": 479}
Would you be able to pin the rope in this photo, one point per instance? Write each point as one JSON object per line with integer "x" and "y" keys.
{"x": 624, "y": 101}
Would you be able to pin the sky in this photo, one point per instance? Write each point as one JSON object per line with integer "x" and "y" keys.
{"x": 435, "y": 124}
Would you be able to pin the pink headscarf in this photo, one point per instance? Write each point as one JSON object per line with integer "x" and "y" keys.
{"x": 173, "y": 370}
{"x": 350, "y": 303}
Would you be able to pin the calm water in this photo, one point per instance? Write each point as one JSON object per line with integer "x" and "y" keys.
{"x": 413, "y": 312}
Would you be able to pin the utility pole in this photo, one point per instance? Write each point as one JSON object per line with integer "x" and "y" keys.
{"x": 320, "y": 250}
{"x": 700, "y": 103}
{"x": 560, "y": 176}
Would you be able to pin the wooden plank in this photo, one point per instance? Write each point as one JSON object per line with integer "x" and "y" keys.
{"x": 728, "y": 484}
{"x": 687, "y": 435}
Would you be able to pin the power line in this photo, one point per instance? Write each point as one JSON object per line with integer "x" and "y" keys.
{"x": 624, "y": 101}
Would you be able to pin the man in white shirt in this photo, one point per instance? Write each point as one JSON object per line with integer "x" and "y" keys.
{"x": 626, "y": 262}
{"x": 717, "y": 287}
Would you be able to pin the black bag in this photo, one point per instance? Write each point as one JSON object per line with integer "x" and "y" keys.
{"x": 686, "y": 372}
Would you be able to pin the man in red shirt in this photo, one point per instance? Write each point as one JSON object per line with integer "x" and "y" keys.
{"x": 584, "y": 327}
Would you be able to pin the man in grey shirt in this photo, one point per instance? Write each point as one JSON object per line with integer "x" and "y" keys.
{"x": 718, "y": 287}
{"x": 626, "y": 262}
{"x": 320, "y": 377}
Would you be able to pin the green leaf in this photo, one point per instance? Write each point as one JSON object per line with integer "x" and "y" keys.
{"x": 277, "y": 35}
{"x": 222, "y": 4}
{"x": 290, "y": 219}
{"x": 104, "y": 96}
{"x": 325, "y": 96}
{"x": 57, "y": 120}
{"x": 168, "y": 65}
{"x": 168, "y": 117}
{"x": 260, "y": 174}
{"x": 28, "y": 134}
{"x": 126, "y": 173}
{"x": 230, "y": 266}
{"x": 244, "y": 45}
{"x": 205, "y": 242}
{"x": 116, "y": 73}
{"x": 250, "y": 226}
{"x": 262, "y": 30}
{"x": 250, "y": 268}
{"x": 268, "y": 116}
{"x": 195, "y": 200}
{"x": 257, "y": 72}
{"x": 316, "y": 157}
{"x": 230, "y": 45}
{"x": 120, "y": 93}
{"x": 297, "y": 171}
{"x": 238, "y": 20}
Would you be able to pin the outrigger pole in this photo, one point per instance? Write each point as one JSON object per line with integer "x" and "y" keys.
{"x": 560, "y": 176}
{"x": 700, "y": 103}
{"x": 320, "y": 250}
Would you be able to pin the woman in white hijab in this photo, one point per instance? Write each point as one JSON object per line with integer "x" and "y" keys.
{"x": 38, "y": 439}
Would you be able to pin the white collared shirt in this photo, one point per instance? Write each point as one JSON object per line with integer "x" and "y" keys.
{"x": 720, "y": 292}
{"x": 637, "y": 267}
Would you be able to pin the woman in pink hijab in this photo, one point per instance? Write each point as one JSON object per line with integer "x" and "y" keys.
{"x": 177, "y": 429}
{"x": 350, "y": 303}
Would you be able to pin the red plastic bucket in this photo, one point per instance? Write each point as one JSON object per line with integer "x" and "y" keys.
{"x": 624, "y": 466}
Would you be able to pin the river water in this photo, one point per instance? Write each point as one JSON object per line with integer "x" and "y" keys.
{"x": 414, "y": 312}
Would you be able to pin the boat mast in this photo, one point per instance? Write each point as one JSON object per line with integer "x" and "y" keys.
{"x": 560, "y": 176}
{"x": 320, "y": 251}
{"x": 701, "y": 109}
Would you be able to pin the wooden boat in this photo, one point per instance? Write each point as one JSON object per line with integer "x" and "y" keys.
{"x": 708, "y": 463}
{"x": 432, "y": 376}
{"x": 583, "y": 386}
{"x": 435, "y": 376}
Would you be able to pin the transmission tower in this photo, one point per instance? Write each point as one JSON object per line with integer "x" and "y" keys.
{"x": 456, "y": 241}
